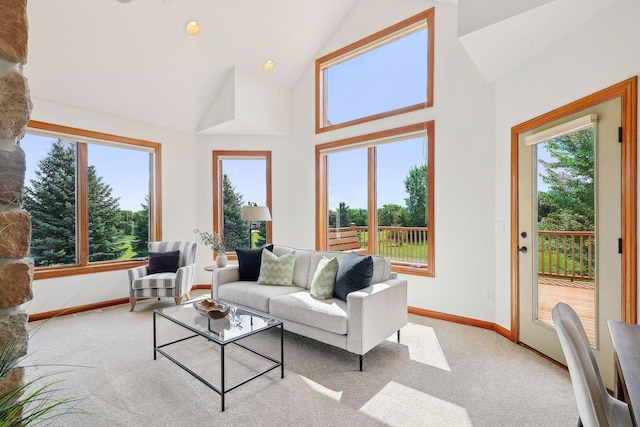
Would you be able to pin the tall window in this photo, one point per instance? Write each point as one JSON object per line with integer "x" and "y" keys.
{"x": 241, "y": 178}
{"x": 375, "y": 195}
{"x": 92, "y": 198}
{"x": 387, "y": 73}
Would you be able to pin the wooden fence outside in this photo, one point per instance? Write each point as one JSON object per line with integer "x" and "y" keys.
{"x": 403, "y": 244}
{"x": 567, "y": 254}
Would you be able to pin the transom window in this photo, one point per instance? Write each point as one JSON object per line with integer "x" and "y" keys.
{"x": 387, "y": 73}
{"x": 92, "y": 198}
{"x": 375, "y": 195}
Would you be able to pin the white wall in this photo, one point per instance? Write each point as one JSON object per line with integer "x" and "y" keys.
{"x": 600, "y": 53}
{"x": 178, "y": 202}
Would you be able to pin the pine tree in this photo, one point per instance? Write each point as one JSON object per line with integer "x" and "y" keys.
{"x": 51, "y": 201}
{"x": 141, "y": 229}
{"x": 105, "y": 235}
{"x": 236, "y": 232}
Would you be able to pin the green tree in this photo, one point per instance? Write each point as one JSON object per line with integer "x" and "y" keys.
{"x": 105, "y": 235}
{"x": 392, "y": 215}
{"x": 416, "y": 185}
{"x": 568, "y": 204}
{"x": 236, "y": 231}
{"x": 359, "y": 216}
{"x": 50, "y": 199}
{"x": 141, "y": 229}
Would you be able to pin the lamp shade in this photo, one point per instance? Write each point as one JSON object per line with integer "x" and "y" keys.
{"x": 255, "y": 213}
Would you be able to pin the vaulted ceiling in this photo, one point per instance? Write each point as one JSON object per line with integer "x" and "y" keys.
{"x": 133, "y": 58}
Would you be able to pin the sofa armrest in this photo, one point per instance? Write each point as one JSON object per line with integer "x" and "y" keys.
{"x": 221, "y": 276}
{"x": 184, "y": 279}
{"x": 137, "y": 272}
{"x": 374, "y": 313}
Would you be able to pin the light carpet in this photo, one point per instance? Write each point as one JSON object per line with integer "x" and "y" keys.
{"x": 440, "y": 374}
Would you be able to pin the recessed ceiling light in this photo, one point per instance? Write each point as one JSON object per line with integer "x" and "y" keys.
{"x": 124, "y": 1}
{"x": 192, "y": 28}
{"x": 268, "y": 66}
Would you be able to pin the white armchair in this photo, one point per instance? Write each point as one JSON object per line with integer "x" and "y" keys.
{"x": 176, "y": 284}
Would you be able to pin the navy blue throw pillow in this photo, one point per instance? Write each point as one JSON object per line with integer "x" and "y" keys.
{"x": 249, "y": 261}
{"x": 354, "y": 273}
{"x": 163, "y": 262}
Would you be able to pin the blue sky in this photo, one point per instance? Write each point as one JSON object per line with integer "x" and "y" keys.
{"x": 348, "y": 173}
{"x": 127, "y": 171}
{"x": 354, "y": 92}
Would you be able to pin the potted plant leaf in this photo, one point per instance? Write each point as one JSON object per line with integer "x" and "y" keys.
{"x": 217, "y": 243}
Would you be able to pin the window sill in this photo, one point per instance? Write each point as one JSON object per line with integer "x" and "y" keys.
{"x": 74, "y": 270}
{"x": 416, "y": 271}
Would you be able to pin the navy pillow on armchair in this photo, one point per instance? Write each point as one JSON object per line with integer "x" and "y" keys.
{"x": 354, "y": 273}
{"x": 163, "y": 262}
{"x": 249, "y": 261}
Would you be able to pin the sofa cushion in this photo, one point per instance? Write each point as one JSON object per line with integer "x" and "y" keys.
{"x": 277, "y": 270}
{"x": 354, "y": 273}
{"x": 154, "y": 281}
{"x": 301, "y": 307}
{"x": 324, "y": 278}
{"x": 301, "y": 269}
{"x": 252, "y": 295}
{"x": 163, "y": 262}
{"x": 249, "y": 261}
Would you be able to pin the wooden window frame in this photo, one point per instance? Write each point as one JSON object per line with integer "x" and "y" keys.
{"x": 380, "y": 38}
{"x": 217, "y": 157}
{"x": 371, "y": 140}
{"x": 83, "y": 137}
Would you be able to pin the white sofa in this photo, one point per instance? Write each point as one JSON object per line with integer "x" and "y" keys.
{"x": 364, "y": 320}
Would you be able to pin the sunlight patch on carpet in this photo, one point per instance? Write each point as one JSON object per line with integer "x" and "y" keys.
{"x": 319, "y": 388}
{"x": 424, "y": 346}
{"x": 399, "y": 405}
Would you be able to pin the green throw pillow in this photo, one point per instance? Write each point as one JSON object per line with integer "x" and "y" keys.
{"x": 276, "y": 270}
{"x": 324, "y": 278}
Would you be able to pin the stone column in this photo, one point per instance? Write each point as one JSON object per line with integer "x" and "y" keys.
{"x": 16, "y": 271}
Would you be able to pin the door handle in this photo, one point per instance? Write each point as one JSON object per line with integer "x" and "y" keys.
{"x": 523, "y": 249}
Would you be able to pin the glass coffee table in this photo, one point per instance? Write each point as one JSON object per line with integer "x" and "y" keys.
{"x": 232, "y": 328}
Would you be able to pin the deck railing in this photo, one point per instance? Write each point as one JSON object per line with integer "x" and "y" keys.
{"x": 403, "y": 244}
{"x": 567, "y": 254}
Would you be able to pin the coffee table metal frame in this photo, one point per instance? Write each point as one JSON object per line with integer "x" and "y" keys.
{"x": 223, "y": 389}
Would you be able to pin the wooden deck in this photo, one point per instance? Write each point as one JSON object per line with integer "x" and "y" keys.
{"x": 579, "y": 295}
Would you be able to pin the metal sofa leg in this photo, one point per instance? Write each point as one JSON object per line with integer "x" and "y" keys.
{"x": 398, "y": 336}
{"x": 361, "y": 357}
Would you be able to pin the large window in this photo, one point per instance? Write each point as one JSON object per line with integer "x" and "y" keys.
{"x": 387, "y": 73}
{"x": 375, "y": 195}
{"x": 92, "y": 198}
{"x": 241, "y": 178}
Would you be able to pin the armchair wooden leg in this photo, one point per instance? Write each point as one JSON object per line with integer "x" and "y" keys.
{"x": 132, "y": 301}
{"x": 177, "y": 300}
{"x": 188, "y": 295}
